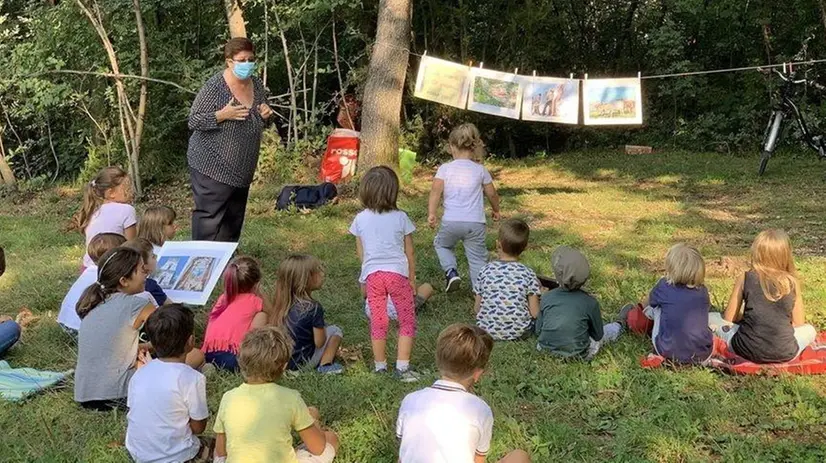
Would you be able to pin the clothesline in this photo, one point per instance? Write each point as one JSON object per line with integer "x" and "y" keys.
{"x": 676, "y": 74}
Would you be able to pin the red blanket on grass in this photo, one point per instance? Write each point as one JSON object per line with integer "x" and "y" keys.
{"x": 812, "y": 361}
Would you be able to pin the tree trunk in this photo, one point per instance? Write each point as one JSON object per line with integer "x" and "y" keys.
{"x": 139, "y": 124}
{"x": 235, "y": 18}
{"x": 385, "y": 83}
{"x": 823, "y": 12}
{"x": 6, "y": 174}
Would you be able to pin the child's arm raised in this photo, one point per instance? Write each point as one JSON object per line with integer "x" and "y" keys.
{"x": 735, "y": 301}
{"x": 411, "y": 260}
{"x": 493, "y": 197}
{"x": 436, "y": 191}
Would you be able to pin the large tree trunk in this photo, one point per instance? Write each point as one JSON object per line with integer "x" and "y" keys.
{"x": 383, "y": 90}
{"x": 235, "y": 18}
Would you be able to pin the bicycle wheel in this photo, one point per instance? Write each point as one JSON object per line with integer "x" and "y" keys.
{"x": 770, "y": 140}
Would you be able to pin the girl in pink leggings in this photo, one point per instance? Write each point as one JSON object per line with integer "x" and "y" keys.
{"x": 384, "y": 244}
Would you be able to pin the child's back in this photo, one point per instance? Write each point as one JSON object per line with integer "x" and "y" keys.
{"x": 109, "y": 218}
{"x": 382, "y": 236}
{"x": 766, "y": 334}
{"x": 568, "y": 321}
{"x": 68, "y": 309}
{"x": 463, "y": 196}
{"x": 504, "y": 288}
{"x": 443, "y": 423}
{"x": 228, "y": 323}
{"x": 682, "y": 332}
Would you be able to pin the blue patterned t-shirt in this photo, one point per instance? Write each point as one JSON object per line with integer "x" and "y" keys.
{"x": 504, "y": 288}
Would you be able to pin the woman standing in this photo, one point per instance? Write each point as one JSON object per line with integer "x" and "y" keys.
{"x": 226, "y": 119}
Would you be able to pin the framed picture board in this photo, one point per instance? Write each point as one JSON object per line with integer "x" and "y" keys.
{"x": 612, "y": 101}
{"x": 550, "y": 99}
{"x": 496, "y": 93}
{"x": 189, "y": 270}
{"x": 443, "y": 82}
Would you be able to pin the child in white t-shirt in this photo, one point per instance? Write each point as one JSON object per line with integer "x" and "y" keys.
{"x": 446, "y": 422}
{"x": 107, "y": 208}
{"x": 100, "y": 245}
{"x": 167, "y": 398}
{"x": 384, "y": 243}
{"x": 463, "y": 183}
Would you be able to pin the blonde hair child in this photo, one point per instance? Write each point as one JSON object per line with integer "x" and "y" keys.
{"x": 157, "y": 225}
{"x": 315, "y": 344}
{"x": 463, "y": 182}
{"x": 765, "y": 321}
{"x": 678, "y": 305}
{"x": 107, "y": 207}
{"x": 265, "y": 436}
{"x": 384, "y": 244}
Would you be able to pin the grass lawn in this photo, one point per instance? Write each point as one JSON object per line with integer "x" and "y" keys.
{"x": 622, "y": 211}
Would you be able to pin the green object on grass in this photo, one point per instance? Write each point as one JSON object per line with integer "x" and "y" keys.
{"x": 407, "y": 161}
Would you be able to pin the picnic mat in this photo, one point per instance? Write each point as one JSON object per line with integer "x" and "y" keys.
{"x": 812, "y": 361}
{"x": 18, "y": 383}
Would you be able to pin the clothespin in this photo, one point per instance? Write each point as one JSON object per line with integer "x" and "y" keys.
{"x": 639, "y": 74}
{"x": 424, "y": 54}
{"x": 481, "y": 64}
{"x": 586, "y": 76}
{"x": 470, "y": 64}
{"x": 784, "y": 68}
{"x": 571, "y": 76}
{"x": 516, "y": 71}
{"x": 534, "y": 72}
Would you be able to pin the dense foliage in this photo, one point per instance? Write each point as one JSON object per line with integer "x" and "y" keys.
{"x": 58, "y": 125}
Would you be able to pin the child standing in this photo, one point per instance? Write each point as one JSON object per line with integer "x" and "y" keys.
{"x": 570, "y": 321}
{"x": 765, "y": 321}
{"x": 154, "y": 292}
{"x": 167, "y": 398}
{"x": 100, "y": 245}
{"x": 107, "y": 207}
{"x": 158, "y": 225}
{"x": 463, "y": 183}
{"x": 507, "y": 294}
{"x": 678, "y": 305}
{"x": 242, "y": 436}
{"x": 111, "y": 315}
{"x": 237, "y": 311}
{"x": 446, "y": 422}
{"x": 315, "y": 344}
{"x": 384, "y": 244}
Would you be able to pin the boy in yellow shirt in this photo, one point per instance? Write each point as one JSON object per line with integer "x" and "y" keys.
{"x": 255, "y": 419}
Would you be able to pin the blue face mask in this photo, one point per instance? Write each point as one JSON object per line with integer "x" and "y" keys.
{"x": 243, "y": 71}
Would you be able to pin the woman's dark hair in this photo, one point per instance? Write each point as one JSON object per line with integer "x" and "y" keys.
{"x": 169, "y": 329}
{"x": 120, "y": 262}
{"x": 237, "y": 45}
{"x": 379, "y": 189}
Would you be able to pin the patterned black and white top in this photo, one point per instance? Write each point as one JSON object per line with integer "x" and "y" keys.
{"x": 226, "y": 152}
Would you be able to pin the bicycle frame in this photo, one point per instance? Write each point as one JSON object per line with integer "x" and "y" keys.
{"x": 790, "y": 108}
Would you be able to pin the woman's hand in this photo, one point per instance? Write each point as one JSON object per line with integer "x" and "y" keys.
{"x": 265, "y": 111}
{"x": 232, "y": 112}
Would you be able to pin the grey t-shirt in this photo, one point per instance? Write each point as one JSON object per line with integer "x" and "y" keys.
{"x": 107, "y": 349}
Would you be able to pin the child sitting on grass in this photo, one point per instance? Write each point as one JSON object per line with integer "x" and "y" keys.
{"x": 167, "y": 398}
{"x": 157, "y": 225}
{"x": 100, "y": 245}
{"x": 237, "y": 311}
{"x": 255, "y": 420}
{"x": 107, "y": 208}
{"x": 9, "y": 329}
{"x": 570, "y": 321}
{"x": 446, "y": 422}
{"x": 154, "y": 292}
{"x": 678, "y": 305}
{"x": 765, "y": 321}
{"x": 463, "y": 183}
{"x": 507, "y": 294}
{"x": 315, "y": 344}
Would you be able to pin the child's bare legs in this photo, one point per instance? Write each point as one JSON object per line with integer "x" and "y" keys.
{"x": 195, "y": 359}
{"x": 330, "y": 350}
{"x": 380, "y": 350}
{"x": 424, "y": 291}
{"x": 517, "y": 456}
{"x": 405, "y": 347}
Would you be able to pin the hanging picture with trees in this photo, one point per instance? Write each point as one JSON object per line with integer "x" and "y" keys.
{"x": 612, "y": 101}
{"x": 496, "y": 93}
{"x": 550, "y": 99}
{"x": 443, "y": 82}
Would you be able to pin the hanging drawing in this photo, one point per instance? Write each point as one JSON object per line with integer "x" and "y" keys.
{"x": 612, "y": 101}
{"x": 496, "y": 93}
{"x": 550, "y": 99}
{"x": 189, "y": 270}
{"x": 442, "y": 81}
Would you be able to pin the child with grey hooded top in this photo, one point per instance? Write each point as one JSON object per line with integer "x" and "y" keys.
{"x": 570, "y": 322}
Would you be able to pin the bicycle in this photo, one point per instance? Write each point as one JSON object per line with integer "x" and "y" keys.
{"x": 784, "y": 109}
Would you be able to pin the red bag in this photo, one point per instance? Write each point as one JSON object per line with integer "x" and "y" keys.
{"x": 339, "y": 161}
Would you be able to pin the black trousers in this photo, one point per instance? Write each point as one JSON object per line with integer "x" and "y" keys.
{"x": 219, "y": 209}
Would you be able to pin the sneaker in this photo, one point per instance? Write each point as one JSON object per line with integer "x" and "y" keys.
{"x": 380, "y": 371}
{"x": 330, "y": 369}
{"x": 622, "y": 318}
{"x": 452, "y": 280}
{"x": 406, "y": 376}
